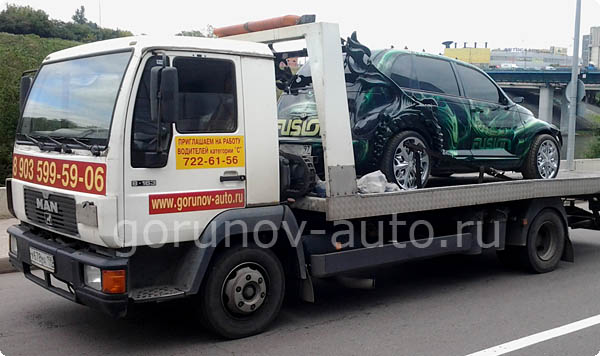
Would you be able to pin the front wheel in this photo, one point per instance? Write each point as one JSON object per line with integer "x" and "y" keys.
{"x": 543, "y": 159}
{"x": 399, "y": 163}
{"x": 243, "y": 292}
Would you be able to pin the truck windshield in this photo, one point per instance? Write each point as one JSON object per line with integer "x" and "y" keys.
{"x": 74, "y": 99}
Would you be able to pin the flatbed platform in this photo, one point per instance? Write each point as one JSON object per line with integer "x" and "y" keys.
{"x": 456, "y": 191}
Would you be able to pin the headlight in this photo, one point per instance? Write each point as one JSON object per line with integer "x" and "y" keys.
{"x": 92, "y": 277}
{"x": 14, "y": 249}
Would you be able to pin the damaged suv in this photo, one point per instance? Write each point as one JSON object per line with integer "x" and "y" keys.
{"x": 403, "y": 104}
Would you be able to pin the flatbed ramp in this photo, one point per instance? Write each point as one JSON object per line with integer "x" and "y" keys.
{"x": 444, "y": 193}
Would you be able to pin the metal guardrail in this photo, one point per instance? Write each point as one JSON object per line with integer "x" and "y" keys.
{"x": 542, "y": 76}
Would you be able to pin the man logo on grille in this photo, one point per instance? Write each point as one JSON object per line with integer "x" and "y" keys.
{"x": 46, "y": 205}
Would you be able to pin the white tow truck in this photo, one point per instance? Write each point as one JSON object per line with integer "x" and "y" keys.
{"x": 147, "y": 169}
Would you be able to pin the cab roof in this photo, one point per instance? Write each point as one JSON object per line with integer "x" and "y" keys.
{"x": 142, "y": 43}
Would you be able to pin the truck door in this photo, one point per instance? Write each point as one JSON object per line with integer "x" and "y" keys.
{"x": 205, "y": 170}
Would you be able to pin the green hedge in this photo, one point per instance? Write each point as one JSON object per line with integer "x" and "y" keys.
{"x": 18, "y": 53}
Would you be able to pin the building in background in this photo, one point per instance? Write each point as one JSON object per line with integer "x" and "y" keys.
{"x": 594, "y": 46}
{"x": 509, "y": 57}
{"x": 530, "y": 58}
{"x": 585, "y": 50}
{"x": 476, "y": 56}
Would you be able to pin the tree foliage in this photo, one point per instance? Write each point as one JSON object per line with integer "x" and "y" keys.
{"x": 206, "y": 32}
{"x": 27, "y": 20}
{"x": 79, "y": 16}
{"x": 20, "y": 53}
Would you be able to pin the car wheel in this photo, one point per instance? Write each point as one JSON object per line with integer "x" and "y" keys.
{"x": 243, "y": 292}
{"x": 543, "y": 159}
{"x": 398, "y": 163}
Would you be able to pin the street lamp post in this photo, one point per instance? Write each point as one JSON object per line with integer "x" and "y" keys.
{"x": 572, "y": 95}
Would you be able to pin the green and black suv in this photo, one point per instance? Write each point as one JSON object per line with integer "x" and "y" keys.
{"x": 400, "y": 100}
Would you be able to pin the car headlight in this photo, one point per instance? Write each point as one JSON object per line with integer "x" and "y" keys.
{"x": 13, "y": 248}
{"x": 92, "y": 277}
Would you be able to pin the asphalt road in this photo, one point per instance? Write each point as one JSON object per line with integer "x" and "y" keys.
{"x": 447, "y": 306}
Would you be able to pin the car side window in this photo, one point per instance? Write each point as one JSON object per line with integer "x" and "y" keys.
{"x": 477, "y": 86}
{"x": 402, "y": 70}
{"x": 435, "y": 75}
{"x": 207, "y": 101}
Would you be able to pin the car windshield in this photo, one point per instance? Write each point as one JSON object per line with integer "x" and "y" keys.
{"x": 300, "y": 104}
{"x": 74, "y": 99}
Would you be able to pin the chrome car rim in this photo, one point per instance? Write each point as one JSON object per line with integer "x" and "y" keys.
{"x": 245, "y": 289}
{"x": 547, "y": 159}
{"x": 405, "y": 165}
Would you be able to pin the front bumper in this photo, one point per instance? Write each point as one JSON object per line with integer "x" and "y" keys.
{"x": 68, "y": 263}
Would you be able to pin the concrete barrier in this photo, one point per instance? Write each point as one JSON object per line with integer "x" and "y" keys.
{"x": 4, "y": 214}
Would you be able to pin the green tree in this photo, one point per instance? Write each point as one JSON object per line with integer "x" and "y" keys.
{"x": 79, "y": 16}
{"x": 207, "y": 32}
{"x": 25, "y": 19}
{"x": 20, "y": 52}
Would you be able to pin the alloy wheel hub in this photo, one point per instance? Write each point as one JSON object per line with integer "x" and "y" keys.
{"x": 547, "y": 159}
{"x": 405, "y": 164}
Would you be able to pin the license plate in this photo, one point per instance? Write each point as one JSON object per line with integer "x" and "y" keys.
{"x": 41, "y": 259}
{"x": 301, "y": 150}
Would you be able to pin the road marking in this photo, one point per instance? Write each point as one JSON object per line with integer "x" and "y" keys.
{"x": 539, "y": 337}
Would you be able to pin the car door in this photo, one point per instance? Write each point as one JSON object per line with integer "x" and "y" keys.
{"x": 435, "y": 78}
{"x": 493, "y": 121}
{"x": 176, "y": 202}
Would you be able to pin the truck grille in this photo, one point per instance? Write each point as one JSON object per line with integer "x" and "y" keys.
{"x": 57, "y": 211}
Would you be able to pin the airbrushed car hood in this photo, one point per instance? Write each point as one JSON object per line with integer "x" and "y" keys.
{"x": 523, "y": 110}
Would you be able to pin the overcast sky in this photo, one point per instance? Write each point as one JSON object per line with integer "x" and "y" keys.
{"x": 418, "y": 24}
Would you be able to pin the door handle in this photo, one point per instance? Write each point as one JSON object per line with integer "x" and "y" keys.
{"x": 240, "y": 177}
{"x": 476, "y": 110}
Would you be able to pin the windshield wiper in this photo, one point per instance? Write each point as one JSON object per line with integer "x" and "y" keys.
{"x": 58, "y": 146}
{"x": 62, "y": 146}
{"x": 95, "y": 149}
{"x": 41, "y": 145}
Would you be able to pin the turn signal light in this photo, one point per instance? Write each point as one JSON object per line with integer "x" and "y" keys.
{"x": 113, "y": 281}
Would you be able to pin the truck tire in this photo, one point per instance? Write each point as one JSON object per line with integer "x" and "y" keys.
{"x": 243, "y": 291}
{"x": 395, "y": 155}
{"x": 543, "y": 159}
{"x": 545, "y": 242}
{"x": 545, "y": 245}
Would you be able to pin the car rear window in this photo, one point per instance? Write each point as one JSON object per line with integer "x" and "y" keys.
{"x": 402, "y": 70}
{"x": 435, "y": 75}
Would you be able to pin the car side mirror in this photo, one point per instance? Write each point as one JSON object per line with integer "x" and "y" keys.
{"x": 518, "y": 99}
{"x": 25, "y": 85}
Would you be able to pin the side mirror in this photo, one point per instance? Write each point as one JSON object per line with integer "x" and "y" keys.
{"x": 164, "y": 94}
{"x": 26, "y": 82}
{"x": 518, "y": 99}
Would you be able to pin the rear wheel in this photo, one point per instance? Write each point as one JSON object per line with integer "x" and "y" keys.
{"x": 543, "y": 159}
{"x": 243, "y": 291}
{"x": 399, "y": 164}
{"x": 545, "y": 244}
